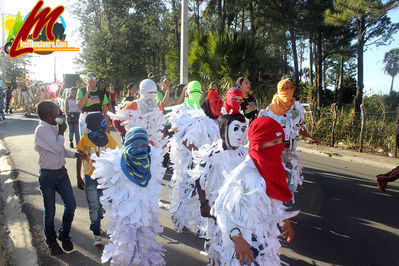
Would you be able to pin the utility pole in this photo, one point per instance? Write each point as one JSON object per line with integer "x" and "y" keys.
{"x": 55, "y": 69}
{"x": 184, "y": 43}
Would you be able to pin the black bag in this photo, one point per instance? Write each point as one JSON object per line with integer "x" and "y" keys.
{"x": 73, "y": 117}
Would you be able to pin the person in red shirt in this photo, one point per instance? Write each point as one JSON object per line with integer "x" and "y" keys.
{"x": 113, "y": 93}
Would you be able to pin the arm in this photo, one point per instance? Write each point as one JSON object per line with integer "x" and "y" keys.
{"x": 181, "y": 97}
{"x": 304, "y": 133}
{"x": 46, "y": 140}
{"x": 105, "y": 111}
{"x": 205, "y": 208}
{"x": 79, "y": 180}
{"x": 83, "y": 100}
{"x": 165, "y": 100}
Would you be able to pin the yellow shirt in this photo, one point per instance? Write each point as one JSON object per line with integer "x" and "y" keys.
{"x": 87, "y": 146}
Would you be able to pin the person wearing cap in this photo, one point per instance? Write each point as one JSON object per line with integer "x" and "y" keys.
{"x": 131, "y": 179}
{"x": 91, "y": 100}
{"x": 214, "y": 86}
{"x": 290, "y": 114}
{"x": 95, "y": 141}
{"x": 249, "y": 207}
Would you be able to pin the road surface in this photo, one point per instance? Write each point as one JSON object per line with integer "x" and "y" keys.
{"x": 344, "y": 219}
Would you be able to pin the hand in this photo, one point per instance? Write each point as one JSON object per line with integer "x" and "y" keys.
{"x": 315, "y": 141}
{"x": 81, "y": 183}
{"x": 82, "y": 156}
{"x": 61, "y": 129}
{"x": 243, "y": 250}
{"x": 287, "y": 230}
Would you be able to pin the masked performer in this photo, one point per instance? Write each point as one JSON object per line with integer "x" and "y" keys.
{"x": 131, "y": 183}
{"x": 234, "y": 98}
{"x": 144, "y": 112}
{"x": 194, "y": 128}
{"x": 212, "y": 164}
{"x": 290, "y": 114}
{"x": 250, "y": 203}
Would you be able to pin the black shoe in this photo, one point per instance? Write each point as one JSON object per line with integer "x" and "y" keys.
{"x": 66, "y": 241}
{"x": 54, "y": 248}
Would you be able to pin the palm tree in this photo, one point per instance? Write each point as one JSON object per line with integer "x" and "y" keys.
{"x": 391, "y": 60}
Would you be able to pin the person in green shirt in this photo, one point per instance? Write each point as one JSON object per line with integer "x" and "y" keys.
{"x": 168, "y": 97}
{"x": 90, "y": 100}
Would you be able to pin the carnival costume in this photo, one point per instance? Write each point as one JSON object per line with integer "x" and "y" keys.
{"x": 144, "y": 112}
{"x": 213, "y": 163}
{"x": 194, "y": 128}
{"x": 290, "y": 114}
{"x": 251, "y": 198}
{"x": 131, "y": 183}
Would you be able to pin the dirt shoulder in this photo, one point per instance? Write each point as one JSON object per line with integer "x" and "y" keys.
{"x": 382, "y": 162}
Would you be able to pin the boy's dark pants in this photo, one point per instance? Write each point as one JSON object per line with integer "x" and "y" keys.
{"x": 52, "y": 181}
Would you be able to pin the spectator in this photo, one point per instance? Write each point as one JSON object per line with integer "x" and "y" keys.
{"x": 168, "y": 97}
{"x": 248, "y": 106}
{"x": 53, "y": 177}
{"x": 2, "y": 97}
{"x": 101, "y": 85}
{"x": 113, "y": 93}
{"x": 94, "y": 142}
{"x": 91, "y": 100}
{"x": 72, "y": 114}
{"x": 8, "y": 100}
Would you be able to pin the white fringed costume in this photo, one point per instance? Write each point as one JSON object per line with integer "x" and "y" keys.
{"x": 291, "y": 123}
{"x": 193, "y": 128}
{"x": 243, "y": 203}
{"x": 133, "y": 214}
{"x": 212, "y": 165}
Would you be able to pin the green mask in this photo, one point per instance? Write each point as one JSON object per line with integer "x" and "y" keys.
{"x": 194, "y": 94}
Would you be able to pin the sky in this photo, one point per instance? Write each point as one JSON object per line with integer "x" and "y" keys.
{"x": 42, "y": 67}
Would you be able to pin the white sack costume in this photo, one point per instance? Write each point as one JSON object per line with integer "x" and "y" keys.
{"x": 247, "y": 205}
{"x": 144, "y": 112}
{"x": 213, "y": 163}
{"x": 292, "y": 121}
{"x": 131, "y": 202}
{"x": 194, "y": 128}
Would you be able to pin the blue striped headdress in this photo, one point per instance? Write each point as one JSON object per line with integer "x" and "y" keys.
{"x": 136, "y": 161}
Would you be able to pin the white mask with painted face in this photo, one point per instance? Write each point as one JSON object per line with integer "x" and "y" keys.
{"x": 236, "y": 133}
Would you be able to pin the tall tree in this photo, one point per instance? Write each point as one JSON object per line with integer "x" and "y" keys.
{"x": 391, "y": 61}
{"x": 15, "y": 69}
{"x": 373, "y": 26}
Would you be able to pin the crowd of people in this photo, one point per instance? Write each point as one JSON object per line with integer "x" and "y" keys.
{"x": 235, "y": 168}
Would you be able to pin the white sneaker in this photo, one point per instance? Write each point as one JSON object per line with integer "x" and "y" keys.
{"x": 100, "y": 241}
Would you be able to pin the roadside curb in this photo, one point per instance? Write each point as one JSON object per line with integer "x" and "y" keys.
{"x": 386, "y": 163}
{"x": 21, "y": 251}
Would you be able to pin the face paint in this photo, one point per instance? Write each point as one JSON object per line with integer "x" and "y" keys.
{"x": 236, "y": 133}
{"x": 215, "y": 102}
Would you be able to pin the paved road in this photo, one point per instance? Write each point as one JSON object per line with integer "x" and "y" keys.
{"x": 344, "y": 220}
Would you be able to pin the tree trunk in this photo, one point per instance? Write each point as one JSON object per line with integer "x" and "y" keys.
{"x": 176, "y": 19}
{"x": 295, "y": 57}
{"x": 391, "y": 89}
{"x": 222, "y": 24}
{"x": 360, "y": 49}
{"x": 285, "y": 55}
{"x": 252, "y": 17}
{"x": 319, "y": 70}
{"x": 341, "y": 82}
{"x": 311, "y": 64}
{"x": 336, "y": 87}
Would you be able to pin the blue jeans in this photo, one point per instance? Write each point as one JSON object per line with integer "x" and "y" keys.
{"x": 74, "y": 130}
{"x": 2, "y": 114}
{"x": 51, "y": 182}
{"x": 93, "y": 200}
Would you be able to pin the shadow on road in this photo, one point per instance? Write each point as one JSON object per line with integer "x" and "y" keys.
{"x": 345, "y": 220}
